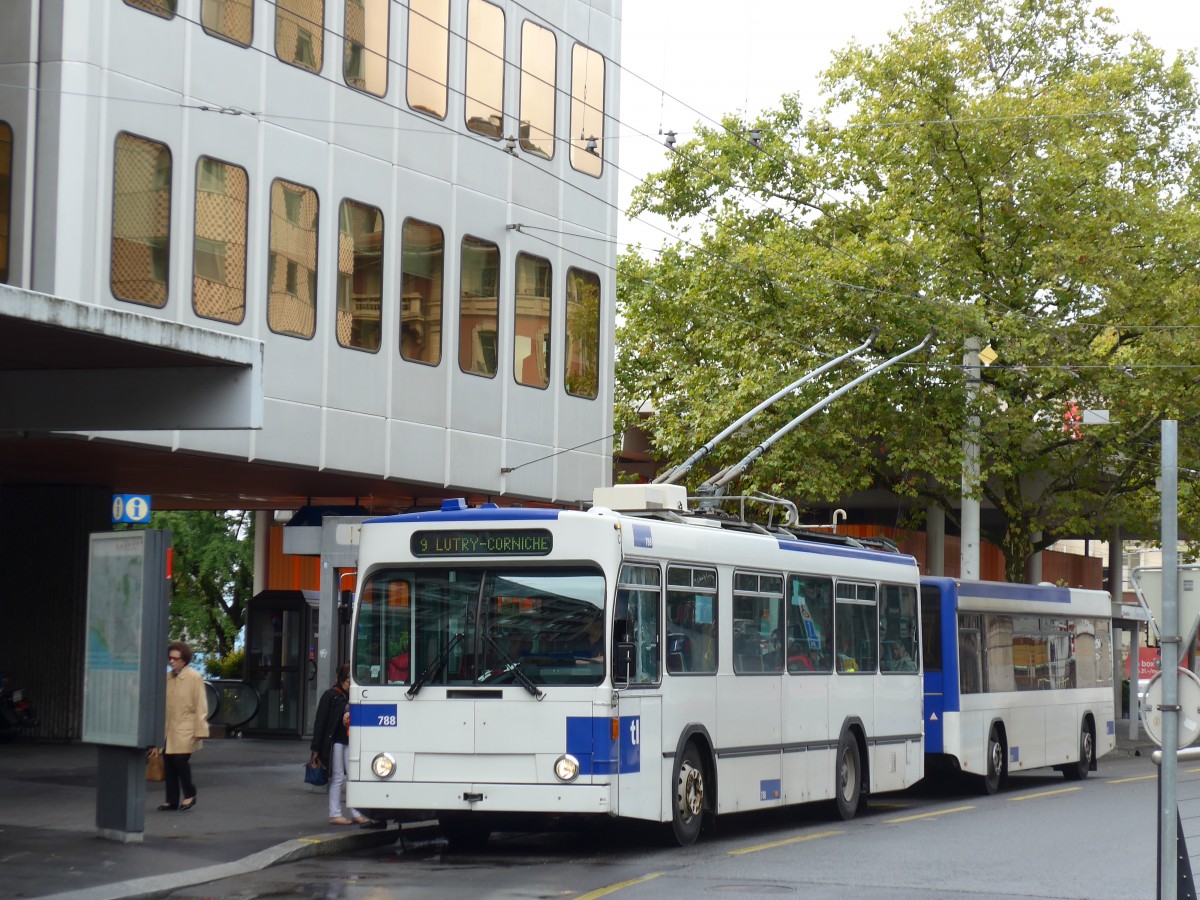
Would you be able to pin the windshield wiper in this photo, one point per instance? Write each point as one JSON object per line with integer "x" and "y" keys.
{"x": 511, "y": 667}
{"x": 434, "y": 666}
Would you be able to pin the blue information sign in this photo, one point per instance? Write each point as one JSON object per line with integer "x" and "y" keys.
{"x": 131, "y": 508}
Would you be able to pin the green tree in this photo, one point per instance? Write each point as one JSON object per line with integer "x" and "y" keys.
{"x": 213, "y": 576}
{"x": 1016, "y": 171}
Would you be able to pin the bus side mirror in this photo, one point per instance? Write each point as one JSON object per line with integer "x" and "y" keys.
{"x": 624, "y": 662}
{"x": 345, "y": 606}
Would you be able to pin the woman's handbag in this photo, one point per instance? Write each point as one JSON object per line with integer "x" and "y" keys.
{"x": 156, "y": 769}
{"x": 315, "y": 773}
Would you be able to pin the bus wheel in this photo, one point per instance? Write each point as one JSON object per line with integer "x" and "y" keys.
{"x": 461, "y": 833}
{"x": 995, "y": 763}
{"x": 687, "y": 812}
{"x": 1087, "y": 751}
{"x": 848, "y": 781}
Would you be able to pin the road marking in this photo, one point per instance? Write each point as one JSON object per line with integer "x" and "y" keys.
{"x": 928, "y": 815}
{"x": 1044, "y": 794}
{"x": 620, "y": 886}
{"x": 1137, "y": 778}
{"x": 774, "y": 844}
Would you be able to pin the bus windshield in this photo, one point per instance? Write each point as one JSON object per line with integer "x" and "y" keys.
{"x": 481, "y": 626}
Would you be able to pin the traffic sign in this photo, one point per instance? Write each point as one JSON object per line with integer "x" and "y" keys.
{"x": 133, "y": 509}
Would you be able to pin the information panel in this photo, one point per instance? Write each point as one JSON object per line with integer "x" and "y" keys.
{"x": 125, "y": 659}
{"x": 462, "y": 542}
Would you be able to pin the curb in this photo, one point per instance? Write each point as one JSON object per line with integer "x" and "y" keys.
{"x": 288, "y": 851}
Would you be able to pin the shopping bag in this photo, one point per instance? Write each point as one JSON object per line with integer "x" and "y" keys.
{"x": 315, "y": 773}
{"x": 156, "y": 769}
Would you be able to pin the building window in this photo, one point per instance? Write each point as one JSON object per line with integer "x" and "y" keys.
{"x": 422, "y": 262}
{"x": 366, "y": 46}
{"x": 587, "y": 110}
{"x": 299, "y": 29}
{"x": 164, "y": 8}
{"x": 219, "y": 253}
{"x": 292, "y": 261}
{"x": 477, "y": 324}
{"x": 582, "y": 369}
{"x": 538, "y": 49}
{"x": 6, "y": 169}
{"x": 531, "y": 327}
{"x": 360, "y": 276}
{"x": 428, "y": 55}
{"x": 141, "y": 233}
{"x": 230, "y": 20}
{"x": 485, "y": 69}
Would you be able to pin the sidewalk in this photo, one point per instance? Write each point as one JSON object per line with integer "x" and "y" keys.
{"x": 253, "y": 810}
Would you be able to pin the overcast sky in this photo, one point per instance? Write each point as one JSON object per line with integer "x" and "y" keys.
{"x": 716, "y": 57}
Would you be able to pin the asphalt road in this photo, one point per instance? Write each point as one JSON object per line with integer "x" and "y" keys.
{"x": 1042, "y": 838}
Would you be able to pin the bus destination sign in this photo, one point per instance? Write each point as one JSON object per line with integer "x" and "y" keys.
{"x": 520, "y": 542}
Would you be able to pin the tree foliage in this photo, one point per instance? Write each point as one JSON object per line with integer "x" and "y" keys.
{"x": 213, "y": 576}
{"x": 1016, "y": 171}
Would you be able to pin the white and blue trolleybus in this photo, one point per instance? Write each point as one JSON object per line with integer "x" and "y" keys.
{"x": 639, "y": 660}
{"x": 1017, "y": 677}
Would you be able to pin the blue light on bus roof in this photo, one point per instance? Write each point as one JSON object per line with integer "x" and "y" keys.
{"x": 454, "y": 504}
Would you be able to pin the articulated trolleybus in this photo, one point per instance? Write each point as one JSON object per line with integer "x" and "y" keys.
{"x": 638, "y": 660}
{"x": 1017, "y": 677}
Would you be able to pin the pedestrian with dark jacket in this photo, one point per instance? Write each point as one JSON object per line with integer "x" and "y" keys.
{"x": 331, "y": 743}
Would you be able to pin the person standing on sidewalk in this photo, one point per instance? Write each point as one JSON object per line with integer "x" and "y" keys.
{"x": 331, "y": 742}
{"x": 187, "y": 726}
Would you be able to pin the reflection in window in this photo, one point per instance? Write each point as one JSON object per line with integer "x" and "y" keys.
{"x": 6, "y": 168}
{"x": 422, "y": 252}
{"x": 219, "y": 252}
{"x": 898, "y": 629}
{"x": 587, "y": 109}
{"x": 537, "y": 89}
{"x": 141, "y": 220}
{"x": 299, "y": 29}
{"x": 856, "y": 630}
{"x": 360, "y": 276}
{"x": 809, "y": 624}
{"x": 365, "y": 63}
{"x": 477, "y": 324}
{"x": 636, "y": 621}
{"x": 691, "y": 620}
{"x": 232, "y": 20}
{"x": 292, "y": 264}
{"x": 485, "y": 68}
{"x": 164, "y": 8}
{"x": 531, "y": 334}
{"x": 757, "y": 623}
{"x": 583, "y": 334}
{"x": 428, "y": 55}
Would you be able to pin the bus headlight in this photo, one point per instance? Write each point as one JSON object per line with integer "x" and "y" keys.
{"x": 566, "y": 767}
{"x": 384, "y": 765}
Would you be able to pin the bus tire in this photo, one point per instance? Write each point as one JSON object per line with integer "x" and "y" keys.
{"x": 997, "y": 766}
{"x": 847, "y": 783}
{"x": 464, "y": 834}
{"x": 687, "y": 807}
{"x": 1078, "y": 771}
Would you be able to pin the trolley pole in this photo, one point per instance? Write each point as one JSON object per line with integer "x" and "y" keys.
{"x": 1168, "y": 815}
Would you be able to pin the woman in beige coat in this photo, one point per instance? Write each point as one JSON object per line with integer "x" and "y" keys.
{"x": 187, "y": 726}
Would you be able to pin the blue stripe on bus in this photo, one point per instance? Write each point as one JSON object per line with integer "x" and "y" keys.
{"x": 589, "y": 740}
{"x": 994, "y": 590}
{"x": 372, "y": 715}
{"x": 844, "y": 552}
{"x": 486, "y": 514}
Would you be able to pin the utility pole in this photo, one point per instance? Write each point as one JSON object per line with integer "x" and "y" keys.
{"x": 969, "y": 544}
{"x": 1168, "y": 788}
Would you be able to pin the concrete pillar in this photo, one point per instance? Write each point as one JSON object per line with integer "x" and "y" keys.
{"x": 935, "y": 540}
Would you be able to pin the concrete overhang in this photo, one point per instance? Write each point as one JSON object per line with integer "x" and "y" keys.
{"x": 71, "y": 366}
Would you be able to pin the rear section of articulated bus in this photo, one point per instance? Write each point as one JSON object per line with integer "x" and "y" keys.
{"x": 939, "y": 648}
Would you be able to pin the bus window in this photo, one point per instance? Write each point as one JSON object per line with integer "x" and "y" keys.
{"x": 931, "y": 628}
{"x": 970, "y": 656}
{"x": 999, "y": 649}
{"x": 757, "y": 622}
{"x": 809, "y": 624}
{"x": 691, "y": 620}
{"x": 856, "y": 628}
{"x": 636, "y": 621}
{"x": 898, "y": 629}
{"x": 381, "y": 642}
